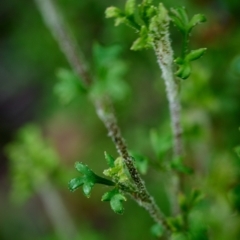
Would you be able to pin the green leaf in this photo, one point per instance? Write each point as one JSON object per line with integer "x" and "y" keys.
{"x": 116, "y": 203}
{"x": 195, "y": 54}
{"x": 130, "y": 7}
{"x": 180, "y": 19}
{"x": 75, "y": 183}
{"x": 116, "y": 199}
{"x": 196, "y": 19}
{"x": 178, "y": 165}
{"x": 141, "y": 162}
{"x": 118, "y": 172}
{"x": 87, "y": 187}
{"x": 175, "y": 223}
{"x": 237, "y": 150}
{"x": 110, "y": 159}
{"x": 144, "y": 41}
{"x": 157, "y": 230}
{"x": 184, "y": 70}
{"x": 88, "y": 180}
{"x": 109, "y": 73}
{"x": 161, "y": 144}
{"x": 113, "y": 12}
{"x": 69, "y": 86}
{"x": 196, "y": 196}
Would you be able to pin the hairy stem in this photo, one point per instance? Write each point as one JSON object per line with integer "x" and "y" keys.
{"x": 164, "y": 54}
{"x": 103, "y": 105}
{"x": 141, "y": 196}
{"x": 54, "y": 20}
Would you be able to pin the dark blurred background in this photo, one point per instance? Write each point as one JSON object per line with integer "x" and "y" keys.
{"x": 29, "y": 59}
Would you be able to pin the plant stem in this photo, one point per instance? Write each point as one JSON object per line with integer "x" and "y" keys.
{"x": 57, "y": 212}
{"x": 141, "y": 196}
{"x": 164, "y": 54}
{"x": 103, "y": 105}
{"x": 54, "y": 20}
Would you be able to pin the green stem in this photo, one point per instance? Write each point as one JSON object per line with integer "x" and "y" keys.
{"x": 185, "y": 45}
{"x": 104, "y": 181}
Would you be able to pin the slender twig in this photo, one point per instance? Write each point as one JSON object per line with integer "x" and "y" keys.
{"x": 63, "y": 36}
{"x": 103, "y": 105}
{"x": 57, "y": 212}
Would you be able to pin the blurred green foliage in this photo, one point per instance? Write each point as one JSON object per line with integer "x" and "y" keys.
{"x": 32, "y": 161}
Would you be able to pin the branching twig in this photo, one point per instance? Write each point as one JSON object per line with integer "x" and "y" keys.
{"x": 103, "y": 105}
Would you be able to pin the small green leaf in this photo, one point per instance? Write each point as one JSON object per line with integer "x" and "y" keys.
{"x": 116, "y": 203}
{"x": 161, "y": 144}
{"x": 175, "y": 223}
{"x": 196, "y": 19}
{"x": 69, "y": 86}
{"x": 183, "y": 202}
{"x": 130, "y": 7}
{"x": 196, "y": 196}
{"x": 88, "y": 180}
{"x": 178, "y": 165}
{"x": 157, "y": 230}
{"x": 113, "y": 12}
{"x": 75, "y": 183}
{"x": 141, "y": 162}
{"x": 144, "y": 41}
{"x": 110, "y": 159}
{"x": 237, "y": 150}
{"x": 87, "y": 187}
{"x": 184, "y": 71}
{"x": 116, "y": 199}
{"x": 180, "y": 19}
{"x": 195, "y": 54}
{"x": 82, "y": 168}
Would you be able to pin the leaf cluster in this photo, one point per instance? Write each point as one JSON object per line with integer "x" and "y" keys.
{"x": 181, "y": 21}
{"x": 120, "y": 180}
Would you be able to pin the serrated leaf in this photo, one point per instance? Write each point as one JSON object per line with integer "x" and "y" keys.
{"x": 195, "y": 54}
